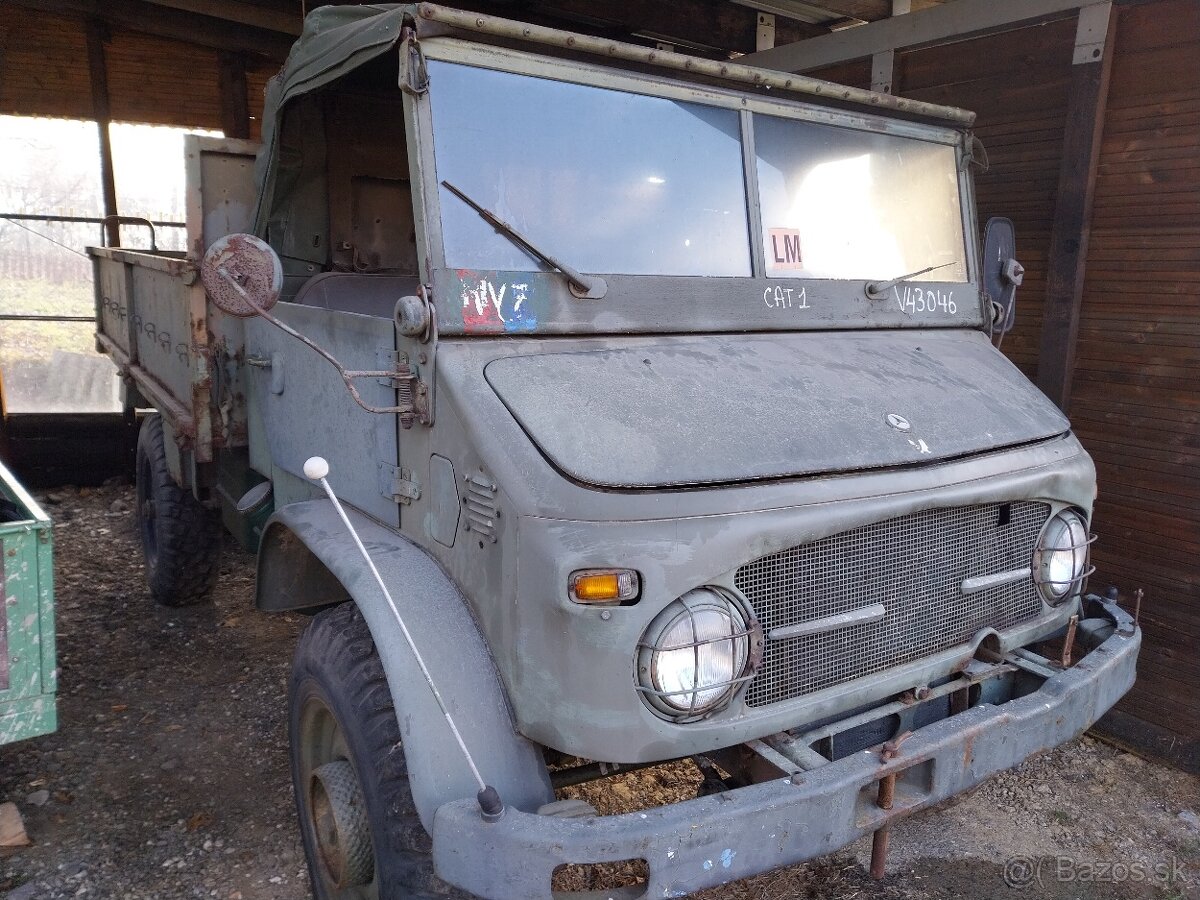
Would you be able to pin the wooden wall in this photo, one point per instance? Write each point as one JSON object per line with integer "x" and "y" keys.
{"x": 1016, "y": 82}
{"x": 43, "y": 65}
{"x": 1136, "y": 395}
{"x": 153, "y": 80}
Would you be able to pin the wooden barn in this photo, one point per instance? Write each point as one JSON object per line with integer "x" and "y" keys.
{"x": 1088, "y": 139}
{"x": 1094, "y": 156}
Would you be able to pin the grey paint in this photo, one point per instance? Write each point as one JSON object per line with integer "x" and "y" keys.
{"x": 579, "y": 696}
{"x": 868, "y": 614}
{"x": 748, "y": 407}
{"x": 454, "y": 650}
{"x": 717, "y": 839}
{"x": 927, "y": 26}
{"x": 521, "y": 665}
{"x": 313, "y": 414}
{"x": 723, "y": 70}
{"x": 444, "y": 497}
{"x": 658, "y": 304}
{"x": 220, "y": 197}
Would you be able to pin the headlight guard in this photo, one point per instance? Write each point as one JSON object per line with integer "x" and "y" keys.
{"x": 1061, "y": 558}
{"x": 697, "y": 653}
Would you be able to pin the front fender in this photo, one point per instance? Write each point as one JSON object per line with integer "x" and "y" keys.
{"x": 307, "y": 558}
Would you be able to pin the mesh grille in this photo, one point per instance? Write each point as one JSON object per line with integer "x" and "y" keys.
{"x": 915, "y": 566}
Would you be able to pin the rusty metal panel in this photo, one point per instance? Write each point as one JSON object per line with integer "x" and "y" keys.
{"x": 220, "y": 197}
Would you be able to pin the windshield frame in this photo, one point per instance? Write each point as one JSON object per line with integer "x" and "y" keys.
{"x": 688, "y": 303}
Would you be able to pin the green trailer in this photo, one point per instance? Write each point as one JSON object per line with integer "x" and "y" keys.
{"x": 28, "y": 671}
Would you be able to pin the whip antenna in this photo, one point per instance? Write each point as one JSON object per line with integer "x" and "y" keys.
{"x": 490, "y": 804}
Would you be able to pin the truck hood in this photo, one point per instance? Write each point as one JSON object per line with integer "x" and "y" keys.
{"x": 728, "y": 408}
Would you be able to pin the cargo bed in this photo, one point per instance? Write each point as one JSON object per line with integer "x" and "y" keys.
{"x": 173, "y": 350}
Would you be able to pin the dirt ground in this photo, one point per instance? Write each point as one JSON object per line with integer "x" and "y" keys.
{"x": 168, "y": 777}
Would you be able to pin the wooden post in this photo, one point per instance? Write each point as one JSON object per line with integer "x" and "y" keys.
{"x": 98, "y": 73}
{"x": 235, "y": 104}
{"x": 1087, "y": 98}
{"x": 883, "y": 64}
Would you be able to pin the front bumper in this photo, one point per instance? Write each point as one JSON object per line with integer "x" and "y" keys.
{"x": 717, "y": 839}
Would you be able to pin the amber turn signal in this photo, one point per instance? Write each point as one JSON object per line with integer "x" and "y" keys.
{"x": 603, "y": 585}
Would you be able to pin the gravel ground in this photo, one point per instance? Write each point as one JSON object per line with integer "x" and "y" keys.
{"x": 168, "y": 777}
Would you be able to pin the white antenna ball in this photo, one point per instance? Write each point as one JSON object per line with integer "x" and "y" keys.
{"x": 316, "y": 468}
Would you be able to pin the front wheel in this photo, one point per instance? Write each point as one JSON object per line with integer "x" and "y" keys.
{"x": 181, "y": 540}
{"x": 362, "y": 836}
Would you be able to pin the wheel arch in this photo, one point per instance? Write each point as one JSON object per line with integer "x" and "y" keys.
{"x": 307, "y": 556}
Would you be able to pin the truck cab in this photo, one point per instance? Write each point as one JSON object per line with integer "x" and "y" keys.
{"x": 677, "y": 430}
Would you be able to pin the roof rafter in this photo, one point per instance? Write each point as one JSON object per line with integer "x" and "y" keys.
{"x": 954, "y": 20}
{"x": 162, "y": 21}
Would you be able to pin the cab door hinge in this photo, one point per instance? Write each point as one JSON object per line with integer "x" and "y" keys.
{"x": 412, "y": 394}
{"x": 397, "y": 484}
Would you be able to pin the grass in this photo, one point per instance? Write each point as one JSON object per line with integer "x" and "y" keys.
{"x": 39, "y": 340}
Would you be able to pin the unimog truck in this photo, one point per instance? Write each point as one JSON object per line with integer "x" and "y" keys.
{"x": 663, "y": 396}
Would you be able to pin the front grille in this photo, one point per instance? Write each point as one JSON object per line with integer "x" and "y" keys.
{"x": 915, "y": 566}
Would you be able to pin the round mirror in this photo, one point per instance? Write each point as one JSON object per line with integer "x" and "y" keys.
{"x": 242, "y": 275}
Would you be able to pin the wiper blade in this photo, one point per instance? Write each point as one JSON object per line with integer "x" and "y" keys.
{"x": 584, "y": 286}
{"x": 877, "y": 290}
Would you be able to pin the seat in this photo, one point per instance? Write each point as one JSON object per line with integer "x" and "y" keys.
{"x": 365, "y": 295}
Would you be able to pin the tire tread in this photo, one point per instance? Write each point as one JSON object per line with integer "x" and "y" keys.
{"x": 337, "y": 642}
{"x": 188, "y": 535}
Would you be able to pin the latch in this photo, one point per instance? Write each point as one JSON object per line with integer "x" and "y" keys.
{"x": 397, "y": 484}
{"x": 414, "y": 75}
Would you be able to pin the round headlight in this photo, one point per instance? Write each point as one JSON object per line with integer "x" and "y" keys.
{"x": 1060, "y": 562}
{"x": 696, "y": 653}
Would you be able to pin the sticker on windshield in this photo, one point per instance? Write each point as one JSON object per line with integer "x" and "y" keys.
{"x": 783, "y": 250}
{"x": 499, "y": 301}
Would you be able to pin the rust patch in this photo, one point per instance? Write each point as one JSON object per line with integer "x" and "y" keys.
{"x": 242, "y": 275}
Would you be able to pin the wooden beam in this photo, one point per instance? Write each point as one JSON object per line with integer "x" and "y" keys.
{"x": 267, "y": 19}
{"x": 147, "y": 18}
{"x": 688, "y": 23}
{"x": 1087, "y": 99}
{"x": 883, "y": 64}
{"x": 235, "y": 102}
{"x": 865, "y": 10}
{"x": 951, "y": 21}
{"x": 98, "y": 80}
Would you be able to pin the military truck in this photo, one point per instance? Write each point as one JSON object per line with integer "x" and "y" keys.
{"x": 661, "y": 399}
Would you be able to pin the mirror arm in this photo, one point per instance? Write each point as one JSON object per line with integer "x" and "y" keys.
{"x": 348, "y": 375}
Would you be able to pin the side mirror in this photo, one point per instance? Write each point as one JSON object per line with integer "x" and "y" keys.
{"x": 1001, "y": 272}
{"x": 242, "y": 275}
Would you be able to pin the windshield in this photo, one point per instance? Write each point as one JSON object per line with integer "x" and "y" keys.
{"x": 609, "y": 181}
{"x": 621, "y": 183}
{"x": 838, "y": 203}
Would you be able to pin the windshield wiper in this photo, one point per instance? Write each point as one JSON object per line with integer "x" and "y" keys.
{"x": 584, "y": 286}
{"x": 877, "y": 290}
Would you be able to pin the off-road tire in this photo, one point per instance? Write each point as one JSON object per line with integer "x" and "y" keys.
{"x": 336, "y": 665}
{"x": 181, "y": 540}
